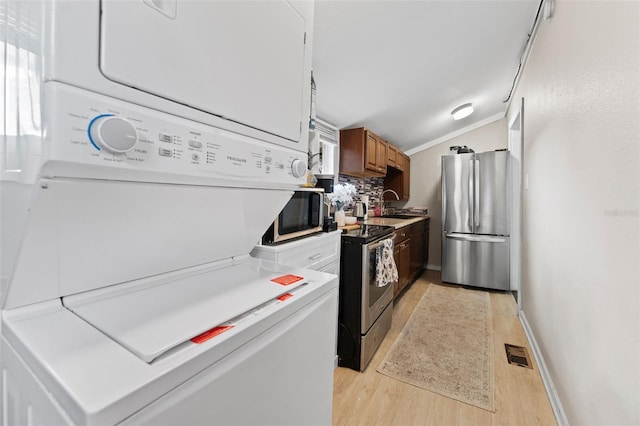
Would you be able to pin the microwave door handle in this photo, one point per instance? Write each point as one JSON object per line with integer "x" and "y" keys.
{"x": 315, "y": 209}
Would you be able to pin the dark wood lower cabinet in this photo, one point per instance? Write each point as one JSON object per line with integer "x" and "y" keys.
{"x": 425, "y": 240}
{"x": 410, "y": 253}
{"x": 402, "y": 256}
{"x": 417, "y": 246}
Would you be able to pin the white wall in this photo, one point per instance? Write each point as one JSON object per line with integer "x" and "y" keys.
{"x": 426, "y": 173}
{"x": 581, "y": 232}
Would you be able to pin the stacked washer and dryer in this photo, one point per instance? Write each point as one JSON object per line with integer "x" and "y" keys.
{"x": 152, "y": 144}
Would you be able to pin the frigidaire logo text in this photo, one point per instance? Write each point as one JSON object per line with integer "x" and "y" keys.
{"x": 241, "y": 160}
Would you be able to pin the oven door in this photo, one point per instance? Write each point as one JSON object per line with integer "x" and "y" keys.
{"x": 374, "y": 298}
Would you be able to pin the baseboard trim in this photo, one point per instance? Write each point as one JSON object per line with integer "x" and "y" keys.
{"x": 434, "y": 267}
{"x": 556, "y": 405}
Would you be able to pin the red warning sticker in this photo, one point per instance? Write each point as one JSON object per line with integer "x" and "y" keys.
{"x": 284, "y": 297}
{"x": 210, "y": 334}
{"x": 287, "y": 279}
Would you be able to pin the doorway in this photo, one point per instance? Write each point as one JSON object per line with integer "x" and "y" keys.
{"x": 516, "y": 147}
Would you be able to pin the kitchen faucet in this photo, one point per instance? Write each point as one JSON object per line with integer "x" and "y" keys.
{"x": 394, "y": 193}
{"x": 384, "y": 205}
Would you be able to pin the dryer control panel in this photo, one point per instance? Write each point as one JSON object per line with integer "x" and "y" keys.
{"x": 140, "y": 144}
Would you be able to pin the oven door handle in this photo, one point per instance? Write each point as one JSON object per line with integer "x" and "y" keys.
{"x": 379, "y": 244}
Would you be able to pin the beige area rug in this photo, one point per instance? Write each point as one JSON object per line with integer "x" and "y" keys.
{"x": 446, "y": 346}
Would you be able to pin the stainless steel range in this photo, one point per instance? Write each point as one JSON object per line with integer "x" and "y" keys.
{"x": 365, "y": 309}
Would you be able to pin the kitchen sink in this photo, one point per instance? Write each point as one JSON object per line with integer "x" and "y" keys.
{"x": 401, "y": 216}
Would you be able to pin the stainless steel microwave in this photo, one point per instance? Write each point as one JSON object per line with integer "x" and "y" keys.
{"x": 301, "y": 216}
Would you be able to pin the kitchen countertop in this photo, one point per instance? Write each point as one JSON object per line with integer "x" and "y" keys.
{"x": 395, "y": 222}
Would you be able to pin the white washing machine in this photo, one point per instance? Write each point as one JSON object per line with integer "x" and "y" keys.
{"x": 147, "y": 155}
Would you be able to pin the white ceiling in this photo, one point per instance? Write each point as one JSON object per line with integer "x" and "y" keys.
{"x": 400, "y": 67}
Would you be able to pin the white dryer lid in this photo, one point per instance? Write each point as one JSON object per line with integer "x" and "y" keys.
{"x": 154, "y": 315}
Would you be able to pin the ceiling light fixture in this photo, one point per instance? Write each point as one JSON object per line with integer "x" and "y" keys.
{"x": 462, "y": 111}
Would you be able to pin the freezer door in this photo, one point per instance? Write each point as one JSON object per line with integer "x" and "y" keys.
{"x": 457, "y": 193}
{"x": 492, "y": 193}
{"x": 476, "y": 260}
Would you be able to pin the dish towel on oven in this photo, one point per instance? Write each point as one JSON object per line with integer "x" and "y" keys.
{"x": 386, "y": 270}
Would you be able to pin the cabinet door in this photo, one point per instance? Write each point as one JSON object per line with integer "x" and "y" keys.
{"x": 406, "y": 177}
{"x": 362, "y": 153}
{"x": 381, "y": 156}
{"x": 396, "y": 258}
{"x": 400, "y": 160}
{"x": 425, "y": 238}
{"x": 417, "y": 248}
{"x": 405, "y": 263}
{"x": 417, "y": 253}
{"x": 392, "y": 156}
{"x": 371, "y": 152}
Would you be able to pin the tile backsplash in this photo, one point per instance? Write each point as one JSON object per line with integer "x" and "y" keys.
{"x": 372, "y": 187}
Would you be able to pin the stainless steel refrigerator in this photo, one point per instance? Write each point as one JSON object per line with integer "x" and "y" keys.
{"x": 475, "y": 219}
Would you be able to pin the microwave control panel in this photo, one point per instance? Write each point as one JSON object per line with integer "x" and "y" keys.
{"x": 93, "y": 130}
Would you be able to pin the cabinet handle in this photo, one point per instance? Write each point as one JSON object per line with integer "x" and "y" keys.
{"x": 315, "y": 256}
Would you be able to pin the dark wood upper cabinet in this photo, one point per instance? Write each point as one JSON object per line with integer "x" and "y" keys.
{"x": 382, "y": 155}
{"x": 365, "y": 154}
{"x": 362, "y": 153}
{"x": 406, "y": 176}
{"x": 371, "y": 152}
{"x": 398, "y": 178}
{"x": 392, "y": 157}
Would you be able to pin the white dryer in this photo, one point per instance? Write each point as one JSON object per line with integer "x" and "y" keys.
{"x": 155, "y": 142}
{"x": 238, "y": 65}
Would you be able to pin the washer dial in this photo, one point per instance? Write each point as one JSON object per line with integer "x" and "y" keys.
{"x": 113, "y": 134}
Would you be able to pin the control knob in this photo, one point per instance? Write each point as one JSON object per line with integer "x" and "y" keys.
{"x": 298, "y": 168}
{"x": 113, "y": 134}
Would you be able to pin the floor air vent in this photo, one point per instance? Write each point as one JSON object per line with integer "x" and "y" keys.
{"x": 517, "y": 355}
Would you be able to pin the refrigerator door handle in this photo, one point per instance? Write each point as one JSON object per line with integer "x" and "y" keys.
{"x": 477, "y": 238}
{"x": 476, "y": 194}
{"x": 472, "y": 204}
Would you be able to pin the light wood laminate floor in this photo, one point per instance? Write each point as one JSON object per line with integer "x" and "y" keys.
{"x": 371, "y": 398}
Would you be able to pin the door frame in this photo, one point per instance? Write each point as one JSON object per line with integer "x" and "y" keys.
{"x": 516, "y": 148}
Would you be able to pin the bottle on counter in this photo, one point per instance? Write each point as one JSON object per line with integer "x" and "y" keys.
{"x": 365, "y": 201}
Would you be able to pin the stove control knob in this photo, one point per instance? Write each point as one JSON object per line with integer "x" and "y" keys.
{"x": 298, "y": 168}
{"x": 113, "y": 134}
